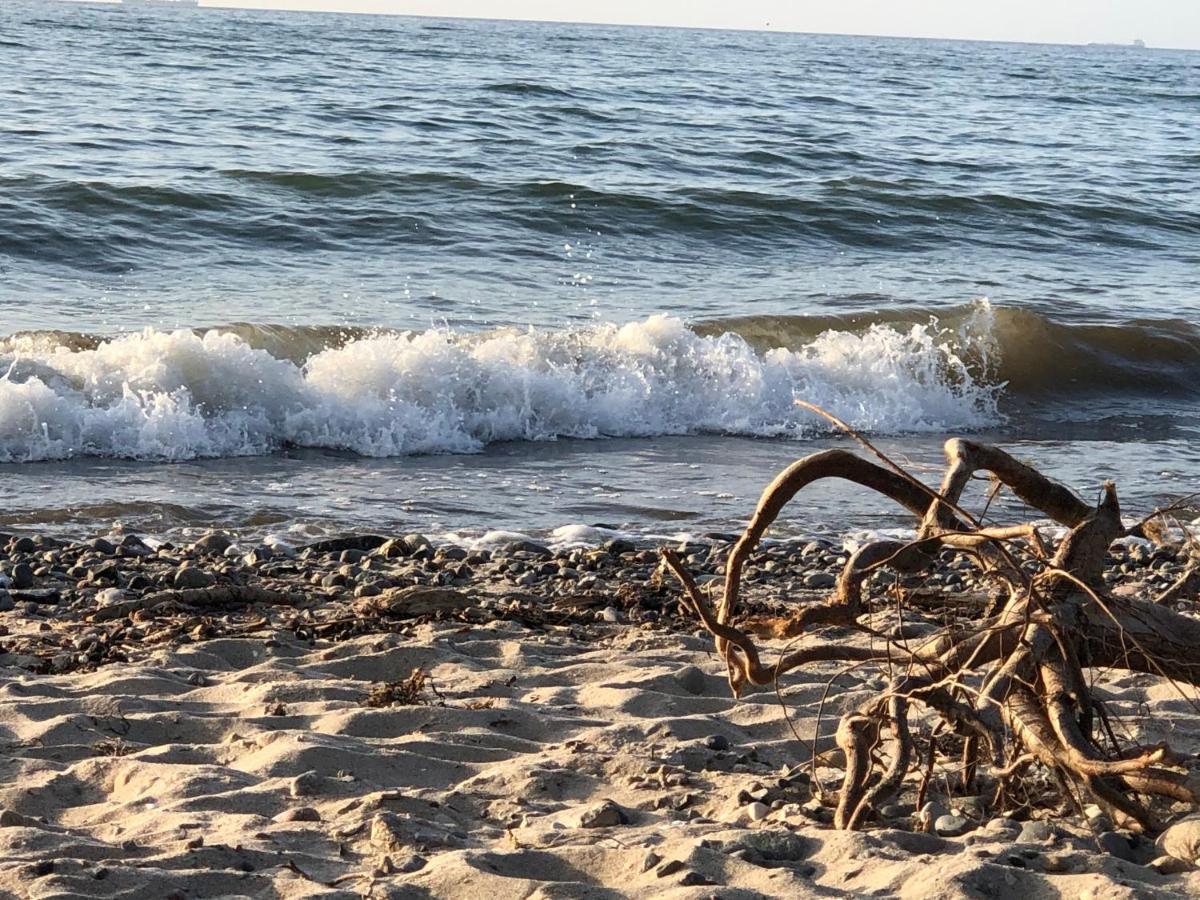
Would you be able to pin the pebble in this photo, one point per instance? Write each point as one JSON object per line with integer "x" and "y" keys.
{"x": 1181, "y": 839}
{"x": 6, "y": 601}
{"x": 299, "y": 814}
{"x": 410, "y": 862}
{"x": 604, "y": 814}
{"x": 717, "y": 742}
{"x": 819, "y": 580}
{"x": 757, "y": 811}
{"x": 930, "y": 813}
{"x": 670, "y": 867}
{"x": 212, "y": 544}
{"x": 951, "y": 826}
{"x": 650, "y": 860}
{"x": 1036, "y": 832}
{"x": 306, "y": 784}
{"x": 612, "y": 615}
{"x": 22, "y": 576}
{"x": 191, "y": 577}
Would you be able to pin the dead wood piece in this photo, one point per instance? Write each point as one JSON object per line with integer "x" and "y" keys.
{"x": 1012, "y": 687}
{"x": 411, "y": 602}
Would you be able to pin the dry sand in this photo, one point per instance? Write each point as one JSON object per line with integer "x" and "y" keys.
{"x": 250, "y": 767}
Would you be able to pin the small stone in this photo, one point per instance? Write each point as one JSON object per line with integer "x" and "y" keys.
{"x": 212, "y": 544}
{"x": 612, "y": 615}
{"x": 1116, "y": 845}
{"x": 717, "y": 742}
{"x": 605, "y": 814}
{"x": 1036, "y": 832}
{"x": 22, "y": 576}
{"x": 306, "y": 784}
{"x": 694, "y": 878}
{"x": 100, "y": 545}
{"x": 388, "y": 833}
{"x": 6, "y": 601}
{"x": 778, "y": 846}
{"x": 1181, "y": 839}
{"x": 191, "y": 578}
{"x": 930, "y": 813}
{"x": 22, "y": 545}
{"x": 670, "y": 867}
{"x": 650, "y": 860}
{"x": 410, "y": 862}
{"x": 299, "y": 814}
{"x": 951, "y": 826}
{"x": 819, "y": 581}
{"x": 757, "y": 811}
{"x": 1169, "y": 865}
{"x": 109, "y": 596}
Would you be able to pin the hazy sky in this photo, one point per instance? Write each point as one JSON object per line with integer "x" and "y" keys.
{"x": 1161, "y": 23}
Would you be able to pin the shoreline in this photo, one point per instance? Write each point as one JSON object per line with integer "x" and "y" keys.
{"x": 378, "y": 716}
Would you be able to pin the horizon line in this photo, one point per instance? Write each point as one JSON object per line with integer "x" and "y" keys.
{"x": 767, "y": 29}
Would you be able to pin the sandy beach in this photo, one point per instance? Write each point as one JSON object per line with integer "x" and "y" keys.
{"x": 228, "y": 720}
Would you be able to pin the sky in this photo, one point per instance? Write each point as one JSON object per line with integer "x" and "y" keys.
{"x": 1161, "y": 23}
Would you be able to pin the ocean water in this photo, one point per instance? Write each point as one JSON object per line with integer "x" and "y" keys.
{"x": 298, "y": 272}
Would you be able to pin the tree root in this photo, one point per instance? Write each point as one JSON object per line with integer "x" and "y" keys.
{"x": 1012, "y": 686}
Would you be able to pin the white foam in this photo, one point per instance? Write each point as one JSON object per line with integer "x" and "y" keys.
{"x": 178, "y": 395}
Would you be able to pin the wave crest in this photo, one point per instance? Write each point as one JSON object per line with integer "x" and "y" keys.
{"x": 183, "y": 394}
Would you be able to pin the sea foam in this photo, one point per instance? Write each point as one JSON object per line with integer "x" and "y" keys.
{"x": 173, "y": 395}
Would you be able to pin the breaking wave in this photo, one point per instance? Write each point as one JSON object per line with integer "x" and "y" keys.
{"x": 253, "y": 389}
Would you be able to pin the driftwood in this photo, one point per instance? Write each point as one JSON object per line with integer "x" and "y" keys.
{"x": 1012, "y": 684}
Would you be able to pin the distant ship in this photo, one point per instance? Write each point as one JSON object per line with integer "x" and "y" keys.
{"x": 1133, "y": 45}
{"x": 188, "y": 3}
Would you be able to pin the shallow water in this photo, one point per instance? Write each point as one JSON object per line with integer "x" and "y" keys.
{"x": 428, "y": 236}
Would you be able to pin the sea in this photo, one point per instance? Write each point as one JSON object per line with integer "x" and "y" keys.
{"x": 296, "y": 274}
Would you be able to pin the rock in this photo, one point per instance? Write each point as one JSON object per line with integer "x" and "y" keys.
{"x": 6, "y": 601}
{"x": 692, "y": 879}
{"x": 213, "y": 544}
{"x": 307, "y": 784}
{"x": 717, "y": 742}
{"x": 22, "y": 545}
{"x": 611, "y": 615}
{"x": 692, "y": 680}
{"x": 650, "y": 860}
{"x": 534, "y": 549}
{"x": 1181, "y": 839}
{"x": 819, "y": 581}
{"x": 1036, "y": 832}
{"x": 951, "y": 826}
{"x": 929, "y": 814}
{"x": 916, "y": 842}
{"x": 190, "y": 578}
{"x": 110, "y": 596}
{"x": 1169, "y": 865}
{"x": 777, "y": 846}
{"x": 299, "y": 814}
{"x": 617, "y": 546}
{"x": 757, "y": 811}
{"x": 388, "y": 832}
{"x": 409, "y": 862}
{"x": 1003, "y": 828}
{"x": 605, "y": 814}
{"x": 22, "y": 577}
{"x": 1116, "y": 845}
{"x": 670, "y": 867}
{"x": 100, "y": 545}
